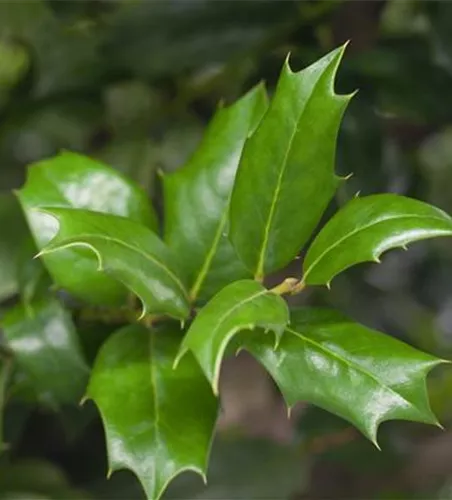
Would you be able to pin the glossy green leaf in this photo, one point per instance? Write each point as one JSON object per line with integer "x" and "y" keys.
{"x": 365, "y": 228}
{"x": 242, "y": 305}
{"x": 286, "y": 174}
{"x": 158, "y": 420}
{"x": 357, "y": 373}
{"x": 73, "y": 181}
{"x": 129, "y": 251}
{"x": 46, "y": 349}
{"x": 197, "y": 197}
{"x": 14, "y": 233}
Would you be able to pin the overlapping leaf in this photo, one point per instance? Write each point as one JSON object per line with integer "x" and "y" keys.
{"x": 129, "y": 251}
{"x": 74, "y": 181}
{"x": 158, "y": 420}
{"x": 197, "y": 196}
{"x": 365, "y": 228}
{"x": 242, "y": 305}
{"x": 359, "y": 374}
{"x": 14, "y": 233}
{"x": 46, "y": 349}
{"x": 286, "y": 174}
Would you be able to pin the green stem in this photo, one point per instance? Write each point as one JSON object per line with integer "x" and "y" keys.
{"x": 289, "y": 285}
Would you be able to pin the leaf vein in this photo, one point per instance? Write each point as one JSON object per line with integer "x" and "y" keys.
{"x": 363, "y": 228}
{"x": 351, "y": 366}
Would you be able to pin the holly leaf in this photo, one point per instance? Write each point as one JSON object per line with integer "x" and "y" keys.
{"x": 47, "y": 352}
{"x": 198, "y": 235}
{"x": 357, "y": 373}
{"x": 242, "y": 305}
{"x": 153, "y": 425}
{"x": 14, "y": 234}
{"x": 74, "y": 181}
{"x": 129, "y": 252}
{"x": 286, "y": 174}
{"x": 365, "y": 228}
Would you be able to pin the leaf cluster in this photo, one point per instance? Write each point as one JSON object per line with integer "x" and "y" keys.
{"x": 189, "y": 293}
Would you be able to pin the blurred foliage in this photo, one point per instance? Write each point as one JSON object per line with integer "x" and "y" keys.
{"x": 133, "y": 83}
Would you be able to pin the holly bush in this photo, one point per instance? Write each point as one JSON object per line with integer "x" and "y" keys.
{"x": 188, "y": 284}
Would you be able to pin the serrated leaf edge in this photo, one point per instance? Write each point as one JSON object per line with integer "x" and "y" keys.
{"x": 372, "y": 430}
{"x": 259, "y": 273}
{"x": 278, "y": 331}
{"x": 376, "y": 253}
{"x": 52, "y": 247}
{"x": 111, "y": 468}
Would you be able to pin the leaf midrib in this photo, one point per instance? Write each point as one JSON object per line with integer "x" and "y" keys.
{"x": 237, "y": 306}
{"x": 261, "y": 263}
{"x": 146, "y": 255}
{"x": 203, "y": 272}
{"x": 209, "y": 257}
{"x": 351, "y": 366}
{"x": 363, "y": 228}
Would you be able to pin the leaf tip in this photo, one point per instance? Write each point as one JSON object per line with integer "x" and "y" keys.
{"x": 83, "y": 400}
{"x": 287, "y": 63}
{"x": 375, "y": 443}
{"x": 39, "y": 254}
{"x": 109, "y": 473}
{"x": 346, "y": 177}
{"x": 182, "y": 351}
{"x": 439, "y": 425}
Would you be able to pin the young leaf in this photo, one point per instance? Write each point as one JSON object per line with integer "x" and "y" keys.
{"x": 158, "y": 421}
{"x": 129, "y": 251}
{"x": 365, "y": 228}
{"x": 74, "y": 181}
{"x": 46, "y": 348}
{"x": 352, "y": 371}
{"x": 197, "y": 196}
{"x": 286, "y": 174}
{"x": 242, "y": 305}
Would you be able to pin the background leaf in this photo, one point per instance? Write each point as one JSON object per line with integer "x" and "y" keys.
{"x": 129, "y": 251}
{"x": 35, "y": 480}
{"x": 46, "y": 348}
{"x": 286, "y": 174}
{"x": 352, "y": 371}
{"x": 365, "y": 228}
{"x": 249, "y": 469}
{"x": 14, "y": 233}
{"x": 158, "y": 421}
{"x": 242, "y": 305}
{"x": 197, "y": 197}
{"x": 74, "y": 181}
